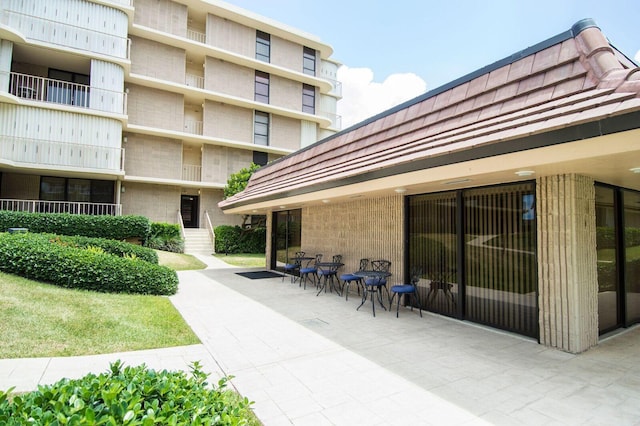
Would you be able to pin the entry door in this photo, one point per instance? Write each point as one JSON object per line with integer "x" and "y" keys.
{"x": 189, "y": 210}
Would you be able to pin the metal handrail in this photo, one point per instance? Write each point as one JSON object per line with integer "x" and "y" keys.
{"x": 181, "y": 223}
{"x": 72, "y": 207}
{"x": 212, "y": 234}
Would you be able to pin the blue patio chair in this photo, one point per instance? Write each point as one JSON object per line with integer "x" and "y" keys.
{"x": 347, "y": 279}
{"x": 408, "y": 290}
{"x": 310, "y": 270}
{"x": 291, "y": 268}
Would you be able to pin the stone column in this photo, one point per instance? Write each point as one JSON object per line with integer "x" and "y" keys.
{"x": 567, "y": 270}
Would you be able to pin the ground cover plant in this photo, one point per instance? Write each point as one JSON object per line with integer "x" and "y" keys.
{"x": 43, "y": 320}
{"x": 130, "y": 396}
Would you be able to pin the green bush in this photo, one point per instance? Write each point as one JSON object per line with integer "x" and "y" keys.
{"x": 605, "y": 237}
{"x": 234, "y": 239}
{"x": 166, "y": 237}
{"x": 129, "y": 396}
{"x": 60, "y": 262}
{"x": 112, "y": 227}
{"x": 117, "y": 248}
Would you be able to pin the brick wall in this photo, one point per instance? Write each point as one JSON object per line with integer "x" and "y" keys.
{"x": 157, "y": 60}
{"x": 158, "y": 202}
{"x": 155, "y": 108}
{"x": 151, "y": 156}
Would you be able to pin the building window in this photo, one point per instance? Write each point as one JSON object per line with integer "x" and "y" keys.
{"x": 261, "y": 128}
{"x": 260, "y": 158}
{"x": 262, "y": 87}
{"x": 76, "y": 190}
{"x": 309, "y": 61}
{"x": 263, "y": 46}
{"x": 64, "y": 87}
{"x": 308, "y": 99}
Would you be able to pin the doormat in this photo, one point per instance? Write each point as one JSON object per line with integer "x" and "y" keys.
{"x": 255, "y": 275}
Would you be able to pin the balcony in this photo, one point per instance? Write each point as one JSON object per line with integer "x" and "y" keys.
{"x": 193, "y": 127}
{"x": 43, "y": 89}
{"x": 40, "y": 206}
{"x": 50, "y": 153}
{"x": 336, "y": 120}
{"x": 191, "y": 172}
{"x": 196, "y": 36}
{"x": 193, "y": 80}
{"x": 66, "y": 35}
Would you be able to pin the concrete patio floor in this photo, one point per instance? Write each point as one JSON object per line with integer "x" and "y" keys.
{"x": 315, "y": 360}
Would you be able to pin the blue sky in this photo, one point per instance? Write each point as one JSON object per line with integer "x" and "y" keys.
{"x": 393, "y": 51}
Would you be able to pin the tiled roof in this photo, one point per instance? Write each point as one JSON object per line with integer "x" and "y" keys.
{"x": 574, "y": 78}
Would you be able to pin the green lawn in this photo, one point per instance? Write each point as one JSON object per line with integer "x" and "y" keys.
{"x": 246, "y": 260}
{"x": 41, "y": 320}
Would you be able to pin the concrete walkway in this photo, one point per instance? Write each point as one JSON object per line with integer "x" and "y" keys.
{"x": 315, "y": 360}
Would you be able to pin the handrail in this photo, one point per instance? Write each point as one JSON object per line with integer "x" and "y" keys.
{"x": 212, "y": 235}
{"x": 181, "y": 223}
{"x": 72, "y": 207}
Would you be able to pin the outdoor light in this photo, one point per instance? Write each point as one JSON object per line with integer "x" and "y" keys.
{"x": 635, "y": 170}
{"x": 283, "y": 207}
{"x": 524, "y": 173}
{"x": 325, "y": 201}
{"x": 400, "y": 190}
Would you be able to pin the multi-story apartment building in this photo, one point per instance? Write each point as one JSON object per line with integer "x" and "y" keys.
{"x": 147, "y": 106}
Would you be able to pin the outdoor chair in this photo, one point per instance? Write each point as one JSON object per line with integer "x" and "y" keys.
{"x": 347, "y": 279}
{"x": 310, "y": 270}
{"x": 408, "y": 290}
{"x": 291, "y": 268}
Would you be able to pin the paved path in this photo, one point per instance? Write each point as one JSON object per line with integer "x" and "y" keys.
{"x": 315, "y": 360}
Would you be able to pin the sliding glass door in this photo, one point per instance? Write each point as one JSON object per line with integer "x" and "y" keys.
{"x": 287, "y": 226}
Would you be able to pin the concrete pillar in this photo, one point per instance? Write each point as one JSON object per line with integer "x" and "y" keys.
{"x": 567, "y": 270}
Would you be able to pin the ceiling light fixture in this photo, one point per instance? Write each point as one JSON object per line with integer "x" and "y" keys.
{"x": 325, "y": 201}
{"x": 400, "y": 190}
{"x": 635, "y": 170}
{"x": 283, "y": 207}
{"x": 525, "y": 173}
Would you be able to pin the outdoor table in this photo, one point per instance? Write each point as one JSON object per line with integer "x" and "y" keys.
{"x": 298, "y": 261}
{"x": 372, "y": 290}
{"x": 331, "y": 267}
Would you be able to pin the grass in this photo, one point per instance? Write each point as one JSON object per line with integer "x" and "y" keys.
{"x": 246, "y": 260}
{"x": 179, "y": 261}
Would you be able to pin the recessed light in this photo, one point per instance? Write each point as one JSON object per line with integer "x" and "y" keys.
{"x": 635, "y": 170}
{"x": 524, "y": 173}
{"x": 325, "y": 201}
{"x": 400, "y": 190}
{"x": 283, "y": 207}
{"x": 453, "y": 182}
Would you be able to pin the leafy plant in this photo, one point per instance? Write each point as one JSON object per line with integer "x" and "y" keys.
{"x": 129, "y": 396}
{"x": 237, "y": 182}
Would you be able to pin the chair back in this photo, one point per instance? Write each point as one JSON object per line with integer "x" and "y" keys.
{"x": 364, "y": 264}
{"x": 381, "y": 265}
{"x": 415, "y": 275}
{"x": 300, "y": 254}
{"x": 337, "y": 258}
{"x": 318, "y": 258}
{"x": 297, "y": 259}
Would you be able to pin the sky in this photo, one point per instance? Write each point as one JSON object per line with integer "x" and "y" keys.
{"x": 392, "y": 51}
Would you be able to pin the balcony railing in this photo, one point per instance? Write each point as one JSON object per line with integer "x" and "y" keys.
{"x": 191, "y": 172}
{"x": 193, "y": 127}
{"x": 193, "y": 80}
{"x": 337, "y": 87}
{"x": 336, "y": 120}
{"x": 198, "y": 36}
{"x": 51, "y": 153}
{"x": 40, "y": 206}
{"x": 61, "y": 34}
{"x": 63, "y": 92}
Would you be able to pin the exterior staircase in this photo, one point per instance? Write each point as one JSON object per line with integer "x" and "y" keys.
{"x": 196, "y": 240}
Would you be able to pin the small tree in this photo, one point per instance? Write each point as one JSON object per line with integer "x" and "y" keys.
{"x": 237, "y": 182}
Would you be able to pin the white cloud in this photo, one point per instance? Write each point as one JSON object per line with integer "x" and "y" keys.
{"x": 638, "y": 56}
{"x": 362, "y": 97}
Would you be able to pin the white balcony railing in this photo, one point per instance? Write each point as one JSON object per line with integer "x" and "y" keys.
{"x": 191, "y": 172}
{"x": 63, "y": 92}
{"x": 193, "y": 127}
{"x": 336, "y": 120}
{"x": 50, "y": 153}
{"x": 61, "y": 34}
{"x": 198, "y": 36}
{"x": 337, "y": 88}
{"x": 193, "y": 80}
{"x": 40, "y": 206}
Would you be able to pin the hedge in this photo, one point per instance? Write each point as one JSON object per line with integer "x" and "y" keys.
{"x": 234, "y": 239}
{"x": 117, "y": 248}
{"x": 129, "y": 396}
{"x": 166, "y": 237}
{"x": 103, "y": 226}
{"x": 53, "y": 260}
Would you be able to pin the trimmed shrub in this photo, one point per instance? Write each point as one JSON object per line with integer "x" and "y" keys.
{"x": 166, "y": 237}
{"x": 112, "y": 227}
{"x": 234, "y": 239}
{"x": 129, "y": 395}
{"x": 62, "y": 263}
{"x": 116, "y": 248}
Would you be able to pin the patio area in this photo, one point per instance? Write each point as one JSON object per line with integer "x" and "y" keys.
{"x": 315, "y": 360}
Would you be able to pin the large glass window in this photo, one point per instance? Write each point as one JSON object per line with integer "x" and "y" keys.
{"x": 308, "y": 99}
{"x": 262, "y": 87}
{"x": 476, "y": 253}
{"x": 263, "y": 46}
{"x": 607, "y": 255}
{"x": 631, "y": 218}
{"x": 261, "y": 128}
{"x": 76, "y": 190}
{"x": 309, "y": 61}
{"x": 288, "y": 237}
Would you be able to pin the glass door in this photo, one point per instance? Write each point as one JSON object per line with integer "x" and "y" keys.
{"x": 287, "y": 239}
{"x": 631, "y": 219}
{"x": 609, "y": 317}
